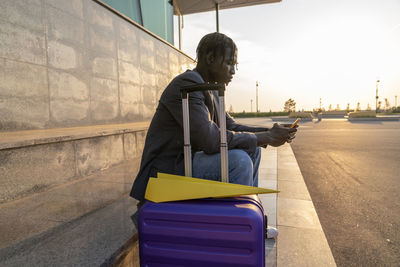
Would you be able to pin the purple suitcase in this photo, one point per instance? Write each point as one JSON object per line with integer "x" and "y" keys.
{"x": 206, "y": 232}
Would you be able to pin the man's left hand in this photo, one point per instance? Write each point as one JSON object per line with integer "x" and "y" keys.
{"x": 289, "y": 125}
{"x": 292, "y": 135}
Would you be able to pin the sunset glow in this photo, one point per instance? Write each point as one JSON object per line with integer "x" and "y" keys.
{"x": 307, "y": 50}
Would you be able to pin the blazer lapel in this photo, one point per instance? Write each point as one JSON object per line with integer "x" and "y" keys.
{"x": 216, "y": 106}
{"x": 208, "y": 100}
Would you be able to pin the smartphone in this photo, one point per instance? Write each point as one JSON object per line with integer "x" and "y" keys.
{"x": 295, "y": 123}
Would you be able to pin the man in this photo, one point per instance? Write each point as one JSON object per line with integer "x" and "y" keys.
{"x": 163, "y": 150}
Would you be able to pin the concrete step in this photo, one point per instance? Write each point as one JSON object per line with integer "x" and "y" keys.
{"x": 34, "y": 161}
{"x": 79, "y": 223}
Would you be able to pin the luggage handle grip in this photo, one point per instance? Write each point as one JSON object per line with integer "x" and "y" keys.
{"x": 203, "y": 87}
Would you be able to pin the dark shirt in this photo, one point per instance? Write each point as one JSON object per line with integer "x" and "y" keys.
{"x": 163, "y": 149}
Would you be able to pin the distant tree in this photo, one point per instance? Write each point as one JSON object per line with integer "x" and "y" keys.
{"x": 290, "y": 105}
{"x": 337, "y": 107}
{"x": 368, "y": 107}
{"x": 230, "y": 109}
{"x": 358, "y": 108}
{"x": 330, "y": 107}
{"x": 348, "y": 107}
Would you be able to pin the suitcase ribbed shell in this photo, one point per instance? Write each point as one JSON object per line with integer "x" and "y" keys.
{"x": 207, "y": 232}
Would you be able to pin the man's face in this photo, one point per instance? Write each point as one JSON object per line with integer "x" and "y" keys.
{"x": 222, "y": 70}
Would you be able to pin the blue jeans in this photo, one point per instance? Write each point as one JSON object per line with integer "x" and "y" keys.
{"x": 243, "y": 168}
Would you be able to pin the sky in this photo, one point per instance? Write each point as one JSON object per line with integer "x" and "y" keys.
{"x": 335, "y": 50}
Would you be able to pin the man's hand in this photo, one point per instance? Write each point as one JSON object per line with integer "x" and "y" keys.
{"x": 276, "y": 136}
{"x": 289, "y": 125}
{"x": 292, "y": 135}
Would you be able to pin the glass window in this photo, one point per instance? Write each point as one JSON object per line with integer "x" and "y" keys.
{"x": 154, "y": 15}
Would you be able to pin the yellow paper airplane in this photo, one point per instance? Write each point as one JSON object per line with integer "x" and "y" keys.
{"x": 168, "y": 187}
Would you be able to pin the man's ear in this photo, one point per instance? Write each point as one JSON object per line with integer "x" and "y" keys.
{"x": 210, "y": 57}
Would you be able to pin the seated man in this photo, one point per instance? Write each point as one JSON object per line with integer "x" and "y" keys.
{"x": 163, "y": 150}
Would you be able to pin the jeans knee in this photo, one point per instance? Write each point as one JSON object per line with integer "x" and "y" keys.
{"x": 241, "y": 164}
{"x": 245, "y": 164}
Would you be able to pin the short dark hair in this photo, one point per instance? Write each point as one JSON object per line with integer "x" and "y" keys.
{"x": 217, "y": 43}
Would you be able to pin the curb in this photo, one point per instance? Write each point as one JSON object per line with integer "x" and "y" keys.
{"x": 301, "y": 240}
{"x": 375, "y": 119}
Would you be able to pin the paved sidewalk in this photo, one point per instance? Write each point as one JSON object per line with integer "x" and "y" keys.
{"x": 301, "y": 240}
{"x": 54, "y": 235}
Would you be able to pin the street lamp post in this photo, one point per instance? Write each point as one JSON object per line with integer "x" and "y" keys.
{"x": 251, "y": 105}
{"x": 376, "y": 102}
{"x": 256, "y": 96}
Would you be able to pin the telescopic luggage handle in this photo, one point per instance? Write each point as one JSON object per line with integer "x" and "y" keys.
{"x": 222, "y": 127}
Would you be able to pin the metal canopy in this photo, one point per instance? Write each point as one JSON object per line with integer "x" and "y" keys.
{"x": 184, "y": 7}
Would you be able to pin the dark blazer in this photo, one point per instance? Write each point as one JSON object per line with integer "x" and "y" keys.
{"x": 163, "y": 149}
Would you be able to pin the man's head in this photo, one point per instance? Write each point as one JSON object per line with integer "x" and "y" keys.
{"x": 216, "y": 57}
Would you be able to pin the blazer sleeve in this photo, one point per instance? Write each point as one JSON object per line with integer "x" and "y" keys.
{"x": 232, "y": 125}
{"x": 204, "y": 133}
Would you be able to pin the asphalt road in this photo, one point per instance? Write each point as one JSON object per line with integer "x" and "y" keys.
{"x": 352, "y": 171}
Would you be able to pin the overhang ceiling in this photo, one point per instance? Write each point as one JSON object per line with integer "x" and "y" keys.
{"x": 184, "y": 7}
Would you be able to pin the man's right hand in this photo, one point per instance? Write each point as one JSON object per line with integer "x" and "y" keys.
{"x": 276, "y": 136}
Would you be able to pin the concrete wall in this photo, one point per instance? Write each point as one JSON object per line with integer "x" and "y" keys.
{"x": 73, "y": 63}
{"x": 33, "y": 169}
